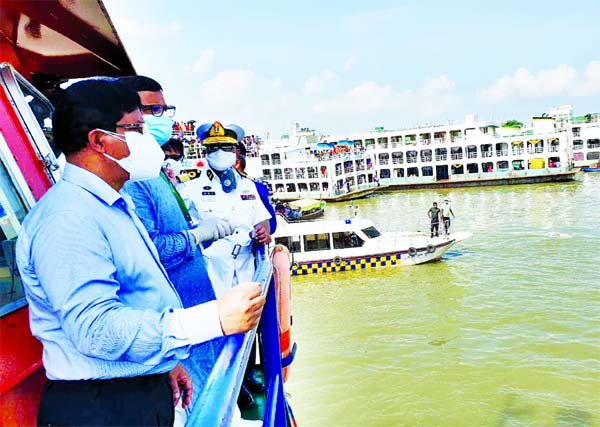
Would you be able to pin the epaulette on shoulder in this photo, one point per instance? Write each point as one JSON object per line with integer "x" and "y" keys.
{"x": 188, "y": 176}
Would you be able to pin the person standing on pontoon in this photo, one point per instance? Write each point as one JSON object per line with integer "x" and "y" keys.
{"x": 446, "y": 212}
{"x": 434, "y": 214}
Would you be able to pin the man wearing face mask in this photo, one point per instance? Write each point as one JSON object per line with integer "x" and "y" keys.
{"x": 173, "y": 150}
{"x": 101, "y": 303}
{"x": 167, "y": 219}
{"x": 219, "y": 189}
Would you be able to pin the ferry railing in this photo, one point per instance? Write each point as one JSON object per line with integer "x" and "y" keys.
{"x": 218, "y": 399}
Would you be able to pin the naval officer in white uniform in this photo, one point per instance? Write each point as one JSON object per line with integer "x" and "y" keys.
{"x": 220, "y": 190}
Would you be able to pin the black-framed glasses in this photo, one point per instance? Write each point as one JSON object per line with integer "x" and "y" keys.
{"x": 213, "y": 148}
{"x": 158, "y": 110}
{"x": 133, "y": 127}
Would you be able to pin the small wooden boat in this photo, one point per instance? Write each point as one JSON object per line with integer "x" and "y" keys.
{"x": 595, "y": 168}
{"x": 301, "y": 210}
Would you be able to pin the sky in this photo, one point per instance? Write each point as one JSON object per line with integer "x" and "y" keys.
{"x": 347, "y": 65}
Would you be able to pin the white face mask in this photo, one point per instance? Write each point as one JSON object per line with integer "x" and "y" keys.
{"x": 220, "y": 160}
{"x": 173, "y": 165}
{"x": 145, "y": 156}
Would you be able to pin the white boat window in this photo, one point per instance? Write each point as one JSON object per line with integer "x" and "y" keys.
{"x": 346, "y": 239}
{"x": 316, "y": 242}
{"x": 371, "y": 232}
{"x": 41, "y": 108}
{"x": 290, "y": 242}
{"x": 35, "y": 113}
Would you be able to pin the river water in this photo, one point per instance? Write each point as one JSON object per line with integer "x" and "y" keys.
{"x": 504, "y": 332}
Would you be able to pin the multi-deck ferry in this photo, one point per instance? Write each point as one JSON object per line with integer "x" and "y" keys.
{"x": 345, "y": 166}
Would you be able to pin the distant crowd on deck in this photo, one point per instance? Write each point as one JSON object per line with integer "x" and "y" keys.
{"x": 186, "y": 132}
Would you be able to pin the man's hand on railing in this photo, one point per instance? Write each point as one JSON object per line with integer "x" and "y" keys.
{"x": 181, "y": 384}
{"x": 240, "y": 308}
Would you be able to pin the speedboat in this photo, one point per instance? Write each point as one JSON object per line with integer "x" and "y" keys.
{"x": 356, "y": 244}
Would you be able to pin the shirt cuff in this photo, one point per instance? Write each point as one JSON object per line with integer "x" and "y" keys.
{"x": 200, "y": 323}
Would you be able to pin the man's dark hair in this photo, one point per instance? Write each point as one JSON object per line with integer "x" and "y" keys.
{"x": 97, "y": 103}
{"x": 173, "y": 144}
{"x": 242, "y": 160}
{"x": 141, "y": 83}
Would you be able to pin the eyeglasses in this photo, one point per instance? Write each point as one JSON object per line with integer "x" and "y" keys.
{"x": 133, "y": 127}
{"x": 158, "y": 110}
{"x": 176, "y": 157}
{"x": 212, "y": 148}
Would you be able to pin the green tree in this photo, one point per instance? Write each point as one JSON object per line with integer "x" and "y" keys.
{"x": 513, "y": 124}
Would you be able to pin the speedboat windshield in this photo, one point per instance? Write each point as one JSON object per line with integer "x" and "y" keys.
{"x": 371, "y": 232}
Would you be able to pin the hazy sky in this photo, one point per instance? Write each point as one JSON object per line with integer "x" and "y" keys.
{"x": 345, "y": 65}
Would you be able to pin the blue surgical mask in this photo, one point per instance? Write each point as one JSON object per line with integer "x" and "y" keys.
{"x": 160, "y": 128}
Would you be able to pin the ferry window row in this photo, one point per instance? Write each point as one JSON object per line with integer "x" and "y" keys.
{"x": 443, "y": 171}
{"x": 346, "y": 184}
{"x": 590, "y": 144}
{"x": 453, "y": 136}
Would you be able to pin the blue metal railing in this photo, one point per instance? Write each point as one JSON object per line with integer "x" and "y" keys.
{"x": 217, "y": 401}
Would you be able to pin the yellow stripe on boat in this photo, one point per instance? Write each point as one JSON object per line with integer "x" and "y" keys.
{"x": 366, "y": 263}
